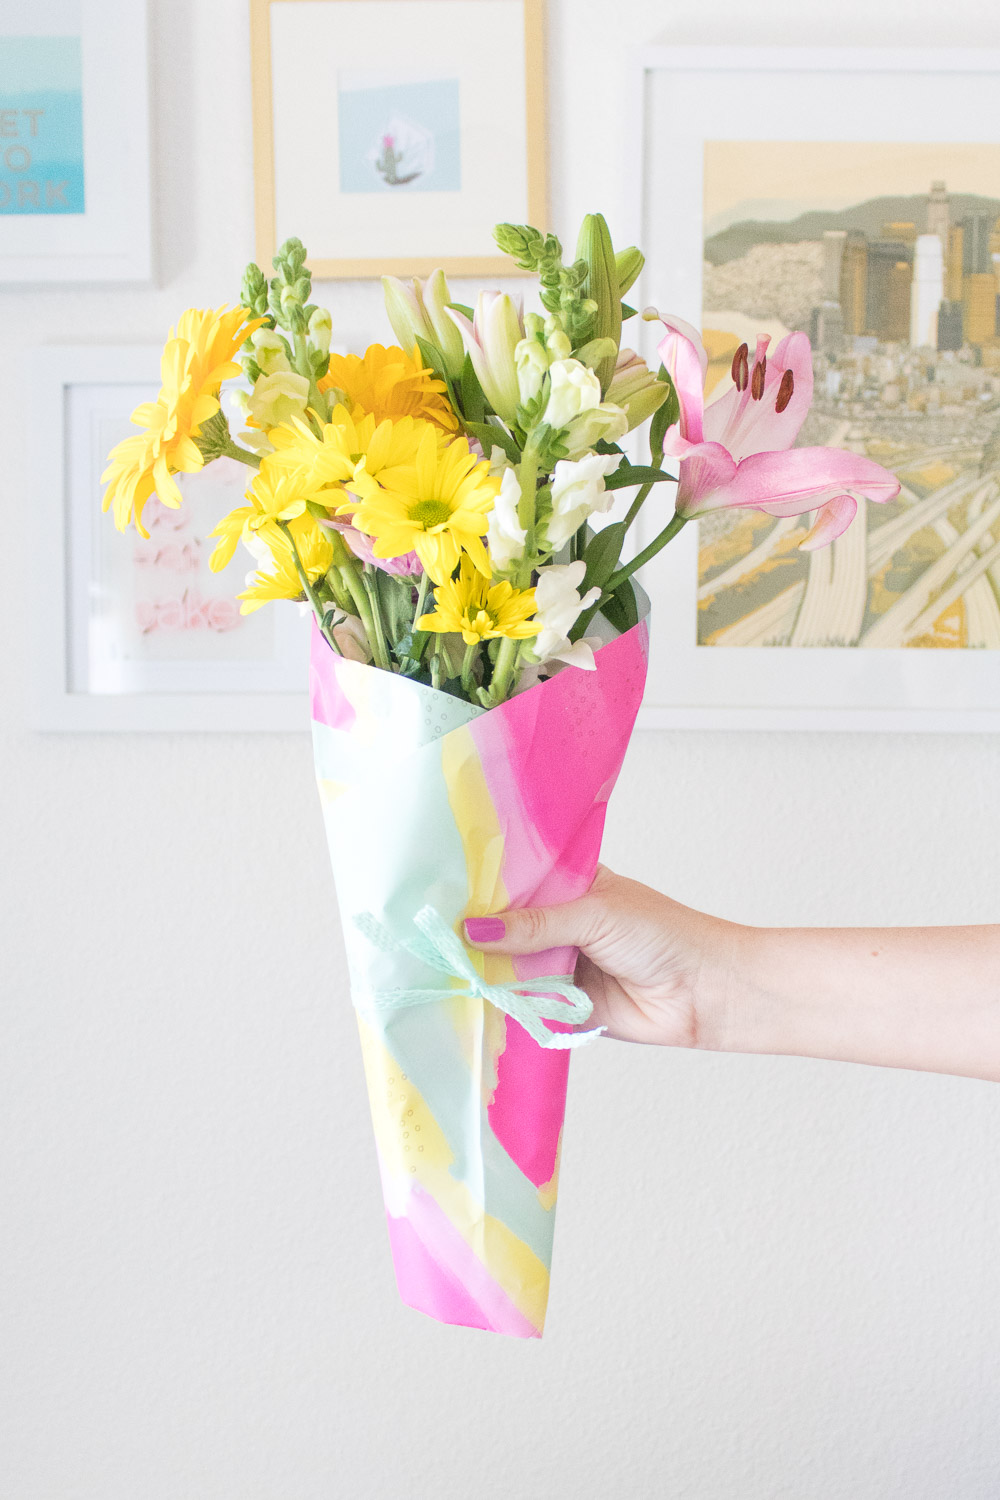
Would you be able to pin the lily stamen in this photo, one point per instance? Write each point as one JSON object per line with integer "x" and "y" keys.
{"x": 785, "y": 390}
{"x": 741, "y": 368}
{"x": 757, "y": 380}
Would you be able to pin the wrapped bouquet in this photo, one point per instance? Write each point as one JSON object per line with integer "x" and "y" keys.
{"x": 448, "y": 510}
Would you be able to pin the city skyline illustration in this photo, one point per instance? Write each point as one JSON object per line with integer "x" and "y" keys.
{"x": 899, "y": 291}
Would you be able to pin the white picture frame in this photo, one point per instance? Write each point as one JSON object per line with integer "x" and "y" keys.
{"x": 465, "y": 124}
{"x": 765, "y": 94}
{"x": 74, "y": 98}
{"x": 161, "y": 646}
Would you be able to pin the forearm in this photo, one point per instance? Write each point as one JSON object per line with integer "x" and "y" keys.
{"x": 925, "y": 998}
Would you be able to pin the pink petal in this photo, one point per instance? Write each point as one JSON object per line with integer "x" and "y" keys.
{"x": 747, "y": 426}
{"x": 706, "y": 469}
{"x": 693, "y": 336}
{"x": 832, "y": 520}
{"x": 682, "y": 363}
{"x": 794, "y": 479}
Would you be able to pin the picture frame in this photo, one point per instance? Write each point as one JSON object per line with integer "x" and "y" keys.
{"x": 426, "y": 150}
{"x": 902, "y": 97}
{"x": 136, "y": 634}
{"x": 74, "y": 141}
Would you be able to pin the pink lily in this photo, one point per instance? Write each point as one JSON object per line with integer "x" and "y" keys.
{"x": 737, "y": 452}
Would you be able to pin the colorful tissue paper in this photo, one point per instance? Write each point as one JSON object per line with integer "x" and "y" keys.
{"x": 431, "y": 801}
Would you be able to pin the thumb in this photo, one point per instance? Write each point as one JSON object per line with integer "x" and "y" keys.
{"x": 532, "y": 929}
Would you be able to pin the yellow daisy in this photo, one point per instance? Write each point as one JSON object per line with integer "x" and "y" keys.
{"x": 348, "y": 445}
{"x": 390, "y": 383}
{"x": 479, "y": 610}
{"x": 438, "y": 508}
{"x": 197, "y": 358}
{"x": 273, "y": 497}
{"x": 315, "y": 554}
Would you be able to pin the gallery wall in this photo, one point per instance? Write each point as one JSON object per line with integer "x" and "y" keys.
{"x": 772, "y": 1277}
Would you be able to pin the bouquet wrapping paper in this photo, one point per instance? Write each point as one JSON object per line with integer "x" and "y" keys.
{"x": 429, "y": 800}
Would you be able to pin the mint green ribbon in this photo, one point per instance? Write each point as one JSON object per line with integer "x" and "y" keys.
{"x": 526, "y": 1001}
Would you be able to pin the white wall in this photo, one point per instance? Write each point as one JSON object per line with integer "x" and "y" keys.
{"x": 773, "y": 1278}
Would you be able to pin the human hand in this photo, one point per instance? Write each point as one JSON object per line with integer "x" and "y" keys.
{"x": 656, "y": 971}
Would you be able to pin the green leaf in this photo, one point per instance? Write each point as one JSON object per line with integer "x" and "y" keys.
{"x": 601, "y": 446}
{"x": 473, "y": 400}
{"x": 628, "y": 312}
{"x": 601, "y": 555}
{"x": 628, "y": 474}
{"x": 432, "y": 357}
{"x": 468, "y": 312}
{"x": 622, "y": 610}
{"x": 492, "y": 436}
{"x": 665, "y": 416}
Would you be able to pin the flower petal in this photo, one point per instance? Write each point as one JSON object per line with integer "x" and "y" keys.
{"x": 794, "y": 479}
{"x": 832, "y": 520}
{"x": 682, "y": 361}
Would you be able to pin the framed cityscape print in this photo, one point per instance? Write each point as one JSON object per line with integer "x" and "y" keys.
{"x": 424, "y": 145}
{"x": 876, "y": 230}
{"x": 74, "y": 141}
{"x": 142, "y": 634}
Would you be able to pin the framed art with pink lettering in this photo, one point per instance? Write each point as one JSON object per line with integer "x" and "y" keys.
{"x": 74, "y": 141}
{"x": 144, "y": 635}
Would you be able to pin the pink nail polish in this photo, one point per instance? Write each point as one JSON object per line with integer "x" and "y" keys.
{"x": 485, "y": 929}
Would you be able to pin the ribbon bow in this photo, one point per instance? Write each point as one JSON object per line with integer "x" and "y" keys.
{"x": 525, "y": 1001}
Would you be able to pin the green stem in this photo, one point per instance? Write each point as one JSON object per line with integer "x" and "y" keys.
{"x": 242, "y": 455}
{"x": 527, "y": 473}
{"x": 468, "y": 662}
{"x": 419, "y": 638}
{"x": 349, "y": 575}
{"x": 381, "y": 649}
{"x": 421, "y": 600}
{"x": 304, "y": 366}
{"x": 317, "y": 604}
{"x": 503, "y": 672}
{"x": 666, "y": 535}
{"x": 636, "y": 506}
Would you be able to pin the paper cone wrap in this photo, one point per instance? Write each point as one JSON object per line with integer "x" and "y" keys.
{"x": 428, "y": 800}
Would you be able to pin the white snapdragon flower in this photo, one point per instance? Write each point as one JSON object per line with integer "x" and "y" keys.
{"x": 573, "y": 389}
{"x": 578, "y": 491}
{"x": 575, "y": 406}
{"x": 321, "y": 329}
{"x": 558, "y": 605}
{"x": 269, "y": 351}
{"x": 532, "y": 360}
{"x": 506, "y": 537}
{"x": 277, "y": 398}
{"x": 606, "y": 421}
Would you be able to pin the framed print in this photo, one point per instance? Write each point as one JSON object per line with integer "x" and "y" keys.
{"x": 139, "y": 633}
{"x": 391, "y": 135}
{"x": 74, "y": 141}
{"x": 876, "y": 230}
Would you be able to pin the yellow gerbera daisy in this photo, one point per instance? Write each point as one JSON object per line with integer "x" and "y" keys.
{"x": 479, "y": 610}
{"x": 438, "y": 508}
{"x": 390, "y": 383}
{"x": 197, "y": 358}
{"x": 315, "y": 551}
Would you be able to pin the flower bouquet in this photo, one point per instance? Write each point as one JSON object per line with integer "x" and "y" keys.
{"x": 447, "y": 508}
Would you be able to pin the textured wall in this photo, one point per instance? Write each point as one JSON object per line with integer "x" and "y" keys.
{"x": 773, "y": 1278}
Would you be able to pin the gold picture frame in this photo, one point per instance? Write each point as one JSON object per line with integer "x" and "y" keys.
{"x": 483, "y": 145}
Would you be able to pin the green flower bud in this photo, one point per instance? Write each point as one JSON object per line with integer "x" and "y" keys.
{"x": 628, "y": 264}
{"x": 601, "y": 286}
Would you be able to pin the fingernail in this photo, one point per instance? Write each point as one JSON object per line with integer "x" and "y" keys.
{"x": 485, "y": 929}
